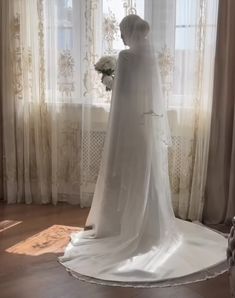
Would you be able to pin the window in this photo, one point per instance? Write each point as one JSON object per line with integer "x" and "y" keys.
{"x": 113, "y": 12}
{"x": 63, "y": 49}
{"x": 177, "y": 27}
{"x": 193, "y": 19}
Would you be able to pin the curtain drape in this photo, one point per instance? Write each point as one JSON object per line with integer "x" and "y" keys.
{"x": 220, "y": 185}
{"x": 25, "y": 135}
{"x": 185, "y": 33}
{"x": 1, "y": 124}
{"x": 55, "y": 109}
{"x": 41, "y": 128}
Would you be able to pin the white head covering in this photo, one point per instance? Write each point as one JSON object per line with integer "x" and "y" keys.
{"x": 134, "y": 29}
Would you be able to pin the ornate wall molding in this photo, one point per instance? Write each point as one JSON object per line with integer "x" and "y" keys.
{"x": 16, "y": 57}
{"x": 130, "y": 7}
{"x": 110, "y": 31}
{"x": 65, "y": 73}
{"x": 166, "y": 64}
{"x": 41, "y": 38}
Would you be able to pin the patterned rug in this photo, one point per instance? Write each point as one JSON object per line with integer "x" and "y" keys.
{"x": 51, "y": 240}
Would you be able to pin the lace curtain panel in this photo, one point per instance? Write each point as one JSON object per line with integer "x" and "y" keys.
{"x": 55, "y": 109}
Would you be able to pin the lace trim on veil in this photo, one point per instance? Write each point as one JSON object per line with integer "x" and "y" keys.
{"x": 200, "y": 276}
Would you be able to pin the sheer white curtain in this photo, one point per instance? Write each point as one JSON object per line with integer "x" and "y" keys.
{"x": 63, "y": 41}
{"x": 185, "y": 35}
{"x": 184, "y": 32}
{"x": 55, "y": 109}
{"x": 42, "y": 99}
{"x": 25, "y": 134}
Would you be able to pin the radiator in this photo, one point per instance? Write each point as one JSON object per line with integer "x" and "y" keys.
{"x": 178, "y": 166}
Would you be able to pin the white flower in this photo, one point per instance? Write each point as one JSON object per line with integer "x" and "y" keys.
{"x": 106, "y": 63}
{"x": 108, "y": 82}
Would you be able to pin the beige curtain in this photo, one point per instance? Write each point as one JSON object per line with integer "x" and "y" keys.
{"x": 185, "y": 36}
{"x": 220, "y": 186}
{"x": 40, "y": 121}
{"x": 55, "y": 110}
{"x": 25, "y": 134}
{"x": 47, "y": 57}
{"x": 1, "y": 124}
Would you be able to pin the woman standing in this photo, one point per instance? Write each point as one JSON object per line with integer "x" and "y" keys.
{"x": 134, "y": 235}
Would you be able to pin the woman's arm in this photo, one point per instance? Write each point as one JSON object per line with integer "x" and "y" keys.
{"x": 107, "y": 81}
{"x": 122, "y": 73}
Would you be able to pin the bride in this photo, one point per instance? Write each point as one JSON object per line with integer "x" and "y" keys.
{"x": 131, "y": 232}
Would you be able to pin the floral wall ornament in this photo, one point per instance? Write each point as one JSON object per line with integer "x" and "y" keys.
{"x": 28, "y": 67}
{"x": 110, "y": 30}
{"x": 16, "y": 57}
{"x": 130, "y": 7}
{"x": 17, "y": 79}
{"x": 201, "y": 38}
{"x": 66, "y": 89}
{"x": 21, "y": 60}
{"x": 41, "y": 41}
{"x": 15, "y": 26}
{"x": 65, "y": 73}
{"x": 166, "y": 61}
{"x": 66, "y": 64}
{"x": 166, "y": 64}
{"x": 90, "y": 55}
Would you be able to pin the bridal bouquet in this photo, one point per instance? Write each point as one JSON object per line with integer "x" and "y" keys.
{"x": 107, "y": 65}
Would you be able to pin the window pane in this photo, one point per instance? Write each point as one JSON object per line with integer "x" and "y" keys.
{"x": 113, "y": 12}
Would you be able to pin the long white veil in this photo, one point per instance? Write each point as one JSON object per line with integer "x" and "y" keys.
{"x": 134, "y": 235}
{"x": 135, "y": 150}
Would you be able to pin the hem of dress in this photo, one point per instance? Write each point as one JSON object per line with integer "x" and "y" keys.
{"x": 199, "y": 276}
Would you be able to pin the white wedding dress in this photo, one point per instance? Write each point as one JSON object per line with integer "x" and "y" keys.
{"x": 135, "y": 235}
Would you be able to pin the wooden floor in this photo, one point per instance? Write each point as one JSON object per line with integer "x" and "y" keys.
{"x": 35, "y": 275}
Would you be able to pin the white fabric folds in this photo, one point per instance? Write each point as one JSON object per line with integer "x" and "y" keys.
{"x": 200, "y": 251}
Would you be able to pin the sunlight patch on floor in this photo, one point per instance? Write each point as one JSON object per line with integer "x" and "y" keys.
{"x": 7, "y": 224}
{"x": 51, "y": 240}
